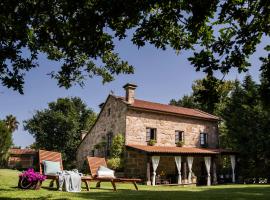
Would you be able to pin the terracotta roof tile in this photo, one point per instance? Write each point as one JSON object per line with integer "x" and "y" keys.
{"x": 147, "y": 105}
{"x": 22, "y": 151}
{"x": 178, "y": 150}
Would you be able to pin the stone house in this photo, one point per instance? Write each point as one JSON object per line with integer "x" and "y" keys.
{"x": 164, "y": 143}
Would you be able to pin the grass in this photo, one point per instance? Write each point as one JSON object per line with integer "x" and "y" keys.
{"x": 9, "y": 178}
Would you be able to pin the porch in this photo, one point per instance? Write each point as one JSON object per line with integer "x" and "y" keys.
{"x": 182, "y": 165}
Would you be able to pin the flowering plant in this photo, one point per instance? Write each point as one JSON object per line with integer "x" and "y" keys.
{"x": 31, "y": 176}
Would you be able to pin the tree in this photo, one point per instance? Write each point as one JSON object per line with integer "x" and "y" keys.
{"x": 187, "y": 101}
{"x": 59, "y": 126}
{"x": 11, "y": 123}
{"x": 265, "y": 80}
{"x": 5, "y": 142}
{"x": 224, "y": 34}
{"x": 248, "y": 132}
{"x": 208, "y": 94}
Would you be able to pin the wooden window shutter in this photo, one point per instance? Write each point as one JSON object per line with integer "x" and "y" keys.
{"x": 148, "y": 134}
{"x": 176, "y": 136}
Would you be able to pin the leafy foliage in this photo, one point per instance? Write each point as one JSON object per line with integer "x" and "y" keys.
{"x": 5, "y": 142}
{"x": 11, "y": 123}
{"x": 78, "y": 34}
{"x": 247, "y": 125}
{"x": 209, "y": 94}
{"x": 117, "y": 149}
{"x": 59, "y": 127}
{"x": 115, "y": 163}
{"x": 245, "y": 120}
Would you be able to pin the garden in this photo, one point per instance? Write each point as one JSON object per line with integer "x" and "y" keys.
{"x": 9, "y": 190}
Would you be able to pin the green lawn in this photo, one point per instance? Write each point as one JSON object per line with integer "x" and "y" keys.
{"x": 9, "y": 178}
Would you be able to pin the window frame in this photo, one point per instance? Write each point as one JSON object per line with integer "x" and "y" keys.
{"x": 204, "y": 138}
{"x": 155, "y": 134}
{"x": 109, "y": 137}
{"x": 177, "y": 135}
{"x": 109, "y": 112}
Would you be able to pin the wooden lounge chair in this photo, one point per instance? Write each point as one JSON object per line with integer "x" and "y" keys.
{"x": 56, "y": 157}
{"x": 94, "y": 164}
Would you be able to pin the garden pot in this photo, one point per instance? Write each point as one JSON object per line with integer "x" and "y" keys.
{"x": 25, "y": 184}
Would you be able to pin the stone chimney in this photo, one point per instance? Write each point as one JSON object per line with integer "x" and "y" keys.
{"x": 83, "y": 134}
{"x": 130, "y": 92}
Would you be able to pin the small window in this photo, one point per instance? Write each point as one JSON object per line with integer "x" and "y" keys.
{"x": 203, "y": 139}
{"x": 151, "y": 134}
{"x": 179, "y": 136}
{"x": 109, "y": 112}
{"x": 93, "y": 152}
{"x": 109, "y": 143}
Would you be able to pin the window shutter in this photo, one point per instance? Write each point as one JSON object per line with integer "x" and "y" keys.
{"x": 148, "y": 134}
{"x": 205, "y": 139}
{"x": 183, "y": 136}
{"x": 176, "y": 136}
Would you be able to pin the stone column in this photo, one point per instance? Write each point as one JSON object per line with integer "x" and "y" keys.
{"x": 148, "y": 173}
{"x": 185, "y": 172}
{"x": 214, "y": 168}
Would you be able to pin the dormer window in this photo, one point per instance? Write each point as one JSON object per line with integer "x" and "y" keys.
{"x": 203, "y": 140}
{"x": 151, "y": 134}
{"x": 179, "y": 136}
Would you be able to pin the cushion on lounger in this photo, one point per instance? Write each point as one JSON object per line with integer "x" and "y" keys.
{"x": 105, "y": 172}
{"x": 51, "y": 168}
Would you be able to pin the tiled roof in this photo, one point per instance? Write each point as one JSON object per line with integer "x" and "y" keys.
{"x": 147, "y": 105}
{"x": 22, "y": 151}
{"x": 178, "y": 150}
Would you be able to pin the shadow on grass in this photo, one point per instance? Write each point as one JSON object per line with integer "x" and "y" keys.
{"x": 200, "y": 193}
{"x": 251, "y": 193}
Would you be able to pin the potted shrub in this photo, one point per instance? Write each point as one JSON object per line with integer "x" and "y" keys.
{"x": 152, "y": 142}
{"x": 180, "y": 144}
{"x": 30, "y": 180}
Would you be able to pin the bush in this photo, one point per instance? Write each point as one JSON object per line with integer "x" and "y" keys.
{"x": 117, "y": 147}
{"x": 115, "y": 163}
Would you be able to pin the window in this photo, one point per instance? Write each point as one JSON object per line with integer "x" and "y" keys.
{"x": 151, "y": 134}
{"x": 109, "y": 143}
{"x": 203, "y": 139}
{"x": 109, "y": 112}
{"x": 179, "y": 136}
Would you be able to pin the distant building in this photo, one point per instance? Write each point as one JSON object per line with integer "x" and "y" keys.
{"x": 22, "y": 158}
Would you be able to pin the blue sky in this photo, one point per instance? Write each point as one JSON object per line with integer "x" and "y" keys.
{"x": 160, "y": 76}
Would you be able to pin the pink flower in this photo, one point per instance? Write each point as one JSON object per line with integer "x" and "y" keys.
{"x": 32, "y": 176}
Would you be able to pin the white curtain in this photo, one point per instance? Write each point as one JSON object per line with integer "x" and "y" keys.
{"x": 190, "y": 162}
{"x": 178, "y": 165}
{"x": 155, "y": 161}
{"x": 233, "y": 167}
{"x": 207, "y": 161}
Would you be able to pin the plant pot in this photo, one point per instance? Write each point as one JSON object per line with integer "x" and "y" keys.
{"x": 25, "y": 184}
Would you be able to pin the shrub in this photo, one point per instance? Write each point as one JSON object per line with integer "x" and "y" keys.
{"x": 117, "y": 147}
{"x": 115, "y": 163}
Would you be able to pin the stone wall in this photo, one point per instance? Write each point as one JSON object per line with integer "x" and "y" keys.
{"x": 166, "y": 125}
{"x": 135, "y": 164}
{"x": 111, "y": 119}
